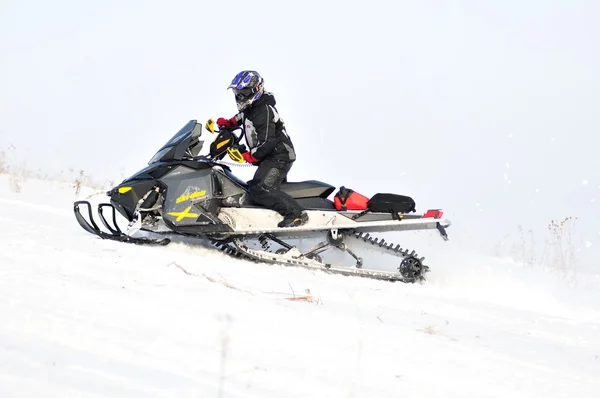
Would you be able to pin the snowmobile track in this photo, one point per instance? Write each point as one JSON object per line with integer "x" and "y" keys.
{"x": 410, "y": 269}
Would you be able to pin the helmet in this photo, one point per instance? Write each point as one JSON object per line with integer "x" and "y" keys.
{"x": 248, "y": 86}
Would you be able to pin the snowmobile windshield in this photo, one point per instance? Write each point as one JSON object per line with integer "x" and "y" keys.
{"x": 185, "y": 143}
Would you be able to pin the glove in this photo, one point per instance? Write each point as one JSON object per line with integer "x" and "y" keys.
{"x": 226, "y": 123}
{"x": 249, "y": 158}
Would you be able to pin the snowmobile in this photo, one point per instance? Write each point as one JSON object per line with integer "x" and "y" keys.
{"x": 181, "y": 193}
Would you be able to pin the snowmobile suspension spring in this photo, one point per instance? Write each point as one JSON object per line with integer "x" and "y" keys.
{"x": 264, "y": 242}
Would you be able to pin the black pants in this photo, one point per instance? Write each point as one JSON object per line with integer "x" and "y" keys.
{"x": 264, "y": 187}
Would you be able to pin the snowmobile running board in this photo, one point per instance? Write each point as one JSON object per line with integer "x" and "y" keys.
{"x": 410, "y": 270}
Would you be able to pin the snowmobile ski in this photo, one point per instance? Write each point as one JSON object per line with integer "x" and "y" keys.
{"x": 115, "y": 233}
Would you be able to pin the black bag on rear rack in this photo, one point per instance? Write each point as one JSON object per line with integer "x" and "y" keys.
{"x": 391, "y": 203}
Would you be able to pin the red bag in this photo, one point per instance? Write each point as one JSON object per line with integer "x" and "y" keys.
{"x": 347, "y": 199}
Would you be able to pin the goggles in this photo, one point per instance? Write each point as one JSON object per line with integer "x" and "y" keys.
{"x": 243, "y": 93}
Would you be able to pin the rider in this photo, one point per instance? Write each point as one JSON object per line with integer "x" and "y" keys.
{"x": 269, "y": 146}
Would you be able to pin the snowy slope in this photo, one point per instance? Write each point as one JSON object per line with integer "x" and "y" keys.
{"x": 81, "y": 317}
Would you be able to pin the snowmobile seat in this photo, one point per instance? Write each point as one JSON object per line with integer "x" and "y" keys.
{"x": 307, "y": 189}
{"x": 297, "y": 190}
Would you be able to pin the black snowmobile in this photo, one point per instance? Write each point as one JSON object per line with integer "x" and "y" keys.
{"x": 182, "y": 193}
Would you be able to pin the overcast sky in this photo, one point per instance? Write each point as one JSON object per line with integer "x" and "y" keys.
{"x": 488, "y": 109}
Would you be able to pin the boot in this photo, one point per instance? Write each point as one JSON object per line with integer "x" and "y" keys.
{"x": 293, "y": 220}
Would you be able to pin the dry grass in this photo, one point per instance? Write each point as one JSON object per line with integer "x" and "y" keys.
{"x": 527, "y": 247}
{"x": 559, "y": 251}
{"x": 80, "y": 180}
{"x": 556, "y": 251}
{"x": 429, "y": 330}
{"x": 308, "y": 297}
{"x": 3, "y": 163}
{"x": 222, "y": 281}
{"x": 15, "y": 181}
{"x": 83, "y": 180}
{"x": 19, "y": 174}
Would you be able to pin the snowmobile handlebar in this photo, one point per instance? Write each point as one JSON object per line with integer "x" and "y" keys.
{"x": 225, "y": 143}
{"x": 210, "y": 127}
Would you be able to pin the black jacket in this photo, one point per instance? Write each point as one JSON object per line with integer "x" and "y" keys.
{"x": 265, "y": 132}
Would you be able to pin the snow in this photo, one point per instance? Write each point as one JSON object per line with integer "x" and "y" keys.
{"x": 82, "y": 317}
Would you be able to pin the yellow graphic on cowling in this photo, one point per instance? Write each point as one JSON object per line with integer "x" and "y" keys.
{"x": 190, "y": 196}
{"x": 123, "y": 190}
{"x": 183, "y": 214}
{"x": 222, "y": 143}
{"x": 210, "y": 125}
{"x": 235, "y": 155}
